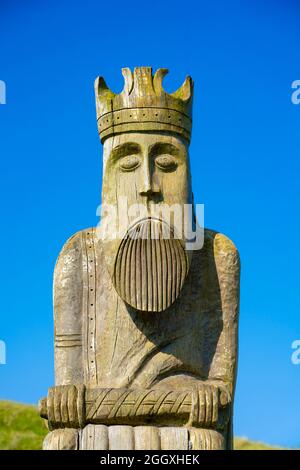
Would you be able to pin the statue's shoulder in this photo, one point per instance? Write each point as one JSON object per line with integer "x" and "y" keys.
{"x": 75, "y": 246}
{"x": 221, "y": 247}
{"x": 68, "y": 272}
{"x": 77, "y": 239}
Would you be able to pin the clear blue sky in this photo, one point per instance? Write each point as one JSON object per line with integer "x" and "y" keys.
{"x": 243, "y": 57}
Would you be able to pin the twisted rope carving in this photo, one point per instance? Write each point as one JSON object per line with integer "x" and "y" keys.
{"x": 117, "y": 405}
{"x": 76, "y": 406}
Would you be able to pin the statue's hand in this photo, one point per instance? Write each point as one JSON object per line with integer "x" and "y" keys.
{"x": 208, "y": 400}
{"x": 64, "y": 406}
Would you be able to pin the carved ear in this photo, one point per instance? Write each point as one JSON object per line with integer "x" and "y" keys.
{"x": 185, "y": 91}
{"x": 157, "y": 80}
{"x": 128, "y": 77}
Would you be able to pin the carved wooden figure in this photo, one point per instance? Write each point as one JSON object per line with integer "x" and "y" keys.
{"x": 145, "y": 330}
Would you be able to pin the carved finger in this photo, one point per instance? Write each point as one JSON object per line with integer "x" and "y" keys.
{"x": 194, "y": 415}
{"x": 81, "y": 405}
{"x": 56, "y": 405}
{"x": 72, "y": 406}
{"x": 50, "y": 406}
{"x": 202, "y": 406}
{"x": 43, "y": 410}
{"x": 64, "y": 406}
{"x": 225, "y": 397}
{"x": 215, "y": 400}
{"x": 208, "y": 398}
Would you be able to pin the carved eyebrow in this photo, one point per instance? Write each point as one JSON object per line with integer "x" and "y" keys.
{"x": 164, "y": 147}
{"x": 128, "y": 148}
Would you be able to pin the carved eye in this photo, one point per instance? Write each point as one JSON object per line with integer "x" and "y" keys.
{"x": 129, "y": 163}
{"x": 166, "y": 162}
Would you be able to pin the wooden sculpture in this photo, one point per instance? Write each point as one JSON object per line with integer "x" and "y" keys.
{"x": 145, "y": 329}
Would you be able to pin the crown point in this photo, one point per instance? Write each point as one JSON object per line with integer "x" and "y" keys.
{"x": 102, "y": 91}
{"x": 128, "y": 78}
{"x": 143, "y": 82}
{"x": 184, "y": 92}
{"x": 157, "y": 80}
{"x": 142, "y": 70}
{"x": 100, "y": 85}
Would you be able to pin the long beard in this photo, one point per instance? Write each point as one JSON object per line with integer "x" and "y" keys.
{"x": 150, "y": 266}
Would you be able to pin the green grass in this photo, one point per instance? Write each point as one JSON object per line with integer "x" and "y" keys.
{"x": 242, "y": 443}
{"x": 21, "y": 428}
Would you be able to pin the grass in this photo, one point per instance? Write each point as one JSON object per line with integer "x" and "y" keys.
{"x": 242, "y": 443}
{"x": 21, "y": 428}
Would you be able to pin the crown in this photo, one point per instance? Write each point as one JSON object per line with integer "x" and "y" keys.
{"x": 143, "y": 105}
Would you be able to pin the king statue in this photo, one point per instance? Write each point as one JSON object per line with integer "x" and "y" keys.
{"x": 146, "y": 320}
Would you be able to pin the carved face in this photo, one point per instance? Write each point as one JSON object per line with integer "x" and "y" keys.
{"x": 152, "y": 170}
{"x": 146, "y": 168}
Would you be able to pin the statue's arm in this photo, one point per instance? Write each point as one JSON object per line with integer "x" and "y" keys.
{"x": 227, "y": 263}
{"x": 68, "y": 299}
{"x": 67, "y": 293}
{"x": 223, "y": 368}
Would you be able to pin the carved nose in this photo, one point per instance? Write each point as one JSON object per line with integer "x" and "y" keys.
{"x": 148, "y": 186}
{"x": 149, "y": 189}
{"x": 146, "y": 192}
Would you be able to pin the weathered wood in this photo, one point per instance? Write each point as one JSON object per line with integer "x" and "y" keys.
{"x": 146, "y": 437}
{"x": 62, "y": 439}
{"x": 173, "y": 438}
{"x": 206, "y": 439}
{"x": 121, "y": 438}
{"x": 94, "y": 438}
{"x": 145, "y": 324}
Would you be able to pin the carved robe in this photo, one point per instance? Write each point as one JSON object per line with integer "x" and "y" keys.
{"x": 100, "y": 341}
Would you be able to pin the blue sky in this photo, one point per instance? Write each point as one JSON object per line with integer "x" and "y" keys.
{"x": 243, "y": 57}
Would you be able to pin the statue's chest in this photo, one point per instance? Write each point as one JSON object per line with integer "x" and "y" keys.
{"x": 124, "y": 346}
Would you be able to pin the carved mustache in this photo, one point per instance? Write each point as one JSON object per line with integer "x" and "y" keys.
{"x": 150, "y": 267}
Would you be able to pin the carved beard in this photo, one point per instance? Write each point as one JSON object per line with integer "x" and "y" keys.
{"x": 150, "y": 266}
